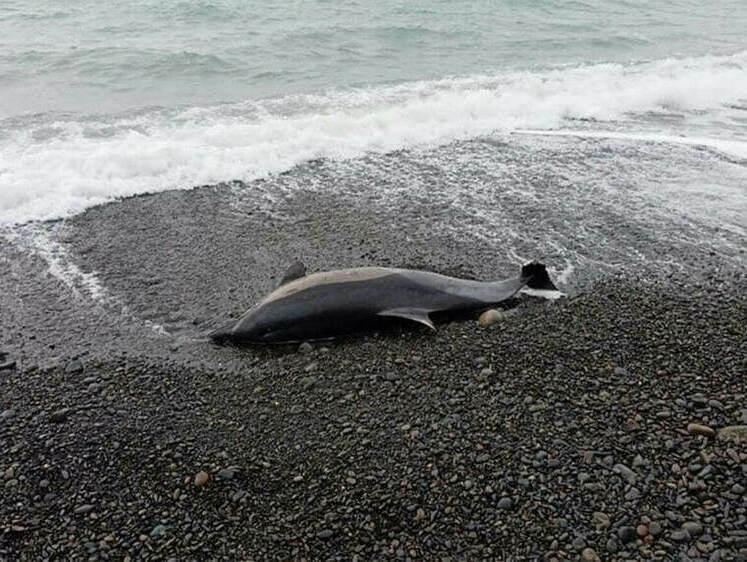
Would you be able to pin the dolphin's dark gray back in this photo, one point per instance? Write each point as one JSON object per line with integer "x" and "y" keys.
{"x": 333, "y": 303}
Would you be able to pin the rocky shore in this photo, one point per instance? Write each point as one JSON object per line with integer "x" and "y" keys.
{"x": 589, "y": 428}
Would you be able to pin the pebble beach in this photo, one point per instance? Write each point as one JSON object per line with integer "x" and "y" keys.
{"x": 607, "y": 425}
{"x": 162, "y": 163}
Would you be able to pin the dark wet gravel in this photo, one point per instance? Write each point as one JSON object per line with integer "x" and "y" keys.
{"x": 561, "y": 432}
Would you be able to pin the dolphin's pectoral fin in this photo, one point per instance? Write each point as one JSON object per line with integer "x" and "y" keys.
{"x": 295, "y": 271}
{"x": 415, "y": 314}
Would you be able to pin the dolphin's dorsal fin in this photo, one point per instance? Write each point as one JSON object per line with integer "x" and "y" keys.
{"x": 295, "y": 271}
{"x": 415, "y": 314}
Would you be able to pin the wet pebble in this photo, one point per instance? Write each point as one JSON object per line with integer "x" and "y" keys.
{"x": 226, "y": 474}
{"x": 600, "y": 520}
{"x": 201, "y": 478}
{"x": 490, "y": 317}
{"x": 309, "y": 382}
{"x": 693, "y": 528}
{"x": 629, "y": 475}
{"x": 626, "y": 534}
{"x": 74, "y": 366}
{"x": 589, "y": 555}
{"x": 612, "y": 546}
{"x": 60, "y": 416}
{"x": 700, "y": 429}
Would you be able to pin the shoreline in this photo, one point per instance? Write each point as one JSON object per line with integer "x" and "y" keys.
{"x": 558, "y": 432}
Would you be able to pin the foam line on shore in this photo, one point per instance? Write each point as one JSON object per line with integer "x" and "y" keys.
{"x": 734, "y": 148}
{"x": 54, "y": 166}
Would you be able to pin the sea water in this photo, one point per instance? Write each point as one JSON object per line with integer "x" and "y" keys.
{"x": 102, "y": 99}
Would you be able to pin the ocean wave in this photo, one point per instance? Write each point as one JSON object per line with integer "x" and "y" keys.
{"x": 63, "y": 166}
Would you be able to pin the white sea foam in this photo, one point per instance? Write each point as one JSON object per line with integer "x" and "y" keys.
{"x": 733, "y": 148}
{"x": 84, "y": 285}
{"x": 57, "y": 168}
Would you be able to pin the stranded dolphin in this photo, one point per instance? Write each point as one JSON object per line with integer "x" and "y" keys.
{"x": 335, "y": 303}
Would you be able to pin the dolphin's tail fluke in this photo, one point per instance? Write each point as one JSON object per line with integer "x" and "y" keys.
{"x": 537, "y": 277}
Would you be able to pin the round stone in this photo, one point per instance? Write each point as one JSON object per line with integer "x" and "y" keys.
{"x": 626, "y": 534}
{"x": 505, "y": 503}
{"x": 201, "y": 478}
{"x": 600, "y": 520}
{"x": 490, "y": 317}
{"x": 693, "y": 528}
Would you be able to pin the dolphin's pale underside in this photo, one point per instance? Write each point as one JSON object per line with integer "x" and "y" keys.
{"x": 336, "y": 303}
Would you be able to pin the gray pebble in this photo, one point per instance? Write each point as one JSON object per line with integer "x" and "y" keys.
{"x": 308, "y": 382}
{"x": 226, "y": 474}
{"x": 629, "y": 475}
{"x": 7, "y": 414}
{"x": 505, "y": 503}
{"x": 600, "y": 520}
{"x": 693, "y": 528}
{"x": 85, "y": 508}
{"x": 632, "y": 494}
{"x": 74, "y": 366}
{"x": 699, "y": 400}
{"x": 60, "y": 415}
{"x": 612, "y": 546}
{"x": 626, "y": 534}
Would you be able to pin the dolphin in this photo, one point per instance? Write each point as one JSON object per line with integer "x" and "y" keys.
{"x": 329, "y": 304}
